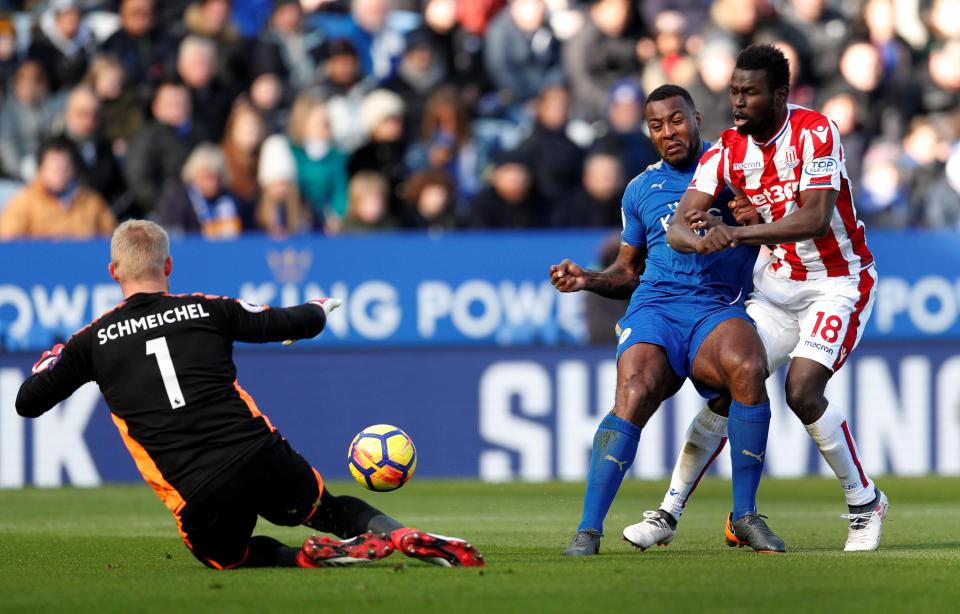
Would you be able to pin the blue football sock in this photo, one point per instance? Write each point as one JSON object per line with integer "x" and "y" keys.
{"x": 614, "y": 447}
{"x": 747, "y": 430}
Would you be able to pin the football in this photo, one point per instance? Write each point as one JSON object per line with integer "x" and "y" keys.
{"x": 382, "y": 457}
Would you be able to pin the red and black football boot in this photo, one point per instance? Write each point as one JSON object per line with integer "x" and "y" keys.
{"x": 436, "y": 549}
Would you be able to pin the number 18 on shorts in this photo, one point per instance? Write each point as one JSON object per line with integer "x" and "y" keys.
{"x": 819, "y": 319}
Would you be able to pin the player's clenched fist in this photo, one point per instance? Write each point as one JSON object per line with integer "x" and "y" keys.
{"x": 744, "y": 211}
{"x": 717, "y": 239}
{"x": 700, "y": 220}
{"x": 568, "y": 276}
{"x": 47, "y": 359}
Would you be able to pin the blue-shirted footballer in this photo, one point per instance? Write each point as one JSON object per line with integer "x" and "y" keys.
{"x": 685, "y": 319}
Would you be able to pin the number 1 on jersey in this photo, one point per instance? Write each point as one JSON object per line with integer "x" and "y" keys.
{"x": 158, "y": 347}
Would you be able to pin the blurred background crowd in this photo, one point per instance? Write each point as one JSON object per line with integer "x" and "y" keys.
{"x": 219, "y": 117}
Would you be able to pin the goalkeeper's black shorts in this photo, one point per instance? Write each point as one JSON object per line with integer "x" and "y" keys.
{"x": 276, "y": 483}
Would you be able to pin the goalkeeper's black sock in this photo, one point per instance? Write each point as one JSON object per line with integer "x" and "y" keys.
{"x": 382, "y": 523}
{"x": 346, "y": 516}
{"x": 268, "y": 552}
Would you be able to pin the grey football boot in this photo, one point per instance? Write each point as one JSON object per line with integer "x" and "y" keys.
{"x": 584, "y": 543}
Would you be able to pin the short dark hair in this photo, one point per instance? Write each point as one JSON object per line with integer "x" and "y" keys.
{"x": 767, "y": 58}
{"x": 58, "y": 143}
{"x": 670, "y": 91}
{"x": 55, "y": 143}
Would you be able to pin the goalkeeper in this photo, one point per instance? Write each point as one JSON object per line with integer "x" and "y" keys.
{"x": 164, "y": 364}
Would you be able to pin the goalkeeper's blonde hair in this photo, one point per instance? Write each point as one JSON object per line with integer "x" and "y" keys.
{"x": 138, "y": 249}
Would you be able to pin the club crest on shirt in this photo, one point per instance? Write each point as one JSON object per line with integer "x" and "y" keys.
{"x": 790, "y": 156}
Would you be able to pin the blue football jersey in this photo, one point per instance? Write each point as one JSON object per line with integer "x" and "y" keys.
{"x": 648, "y": 204}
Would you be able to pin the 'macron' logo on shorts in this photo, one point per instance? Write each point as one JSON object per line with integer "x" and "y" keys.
{"x": 625, "y": 334}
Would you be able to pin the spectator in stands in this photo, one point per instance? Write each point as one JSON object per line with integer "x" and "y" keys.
{"x": 382, "y": 112}
{"x": 211, "y": 19}
{"x": 602, "y": 52}
{"x": 521, "y": 53}
{"x": 596, "y": 203}
{"x": 711, "y": 88}
{"x": 941, "y": 87}
{"x": 55, "y": 205}
{"x": 509, "y": 201}
{"x": 368, "y": 209}
{"x": 9, "y": 58}
{"x": 269, "y": 93}
{"x": 476, "y": 15}
{"x": 556, "y": 161}
{"x": 378, "y": 42}
{"x": 896, "y": 96}
{"x": 200, "y": 203}
{"x": 670, "y": 63}
{"x": 861, "y": 74}
{"x": 121, "y": 109}
{"x": 694, "y": 11}
{"x": 736, "y": 21}
{"x": 197, "y": 69}
{"x": 288, "y": 40}
{"x": 280, "y": 211}
{"x": 879, "y": 27}
{"x": 144, "y": 50}
{"x": 419, "y": 74}
{"x": 824, "y": 29}
{"x": 843, "y": 110}
{"x": 321, "y": 167}
{"x": 62, "y": 43}
{"x": 460, "y": 49}
{"x": 924, "y": 153}
{"x": 157, "y": 153}
{"x": 944, "y": 24}
{"x": 98, "y": 166}
{"x": 168, "y": 14}
{"x": 241, "y": 143}
{"x": 429, "y": 197}
{"x": 625, "y": 137}
{"x": 25, "y": 119}
{"x": 251, "y": 16}
{"x": 882, "y": 200}
{"x": 341, "y": 83}
{"x": 447, "y": 144}
{"x": 942, "y": 204}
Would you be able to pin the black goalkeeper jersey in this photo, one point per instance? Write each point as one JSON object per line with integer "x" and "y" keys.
{"x": 164, "y": 364}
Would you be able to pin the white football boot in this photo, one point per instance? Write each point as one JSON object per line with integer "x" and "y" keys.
{"x": 865, "y": 527}
{"x": 657, "y": 529}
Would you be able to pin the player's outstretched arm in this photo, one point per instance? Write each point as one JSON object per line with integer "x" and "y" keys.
{"x": 616, "y": 281}
{"x": 58, "y": 373}
{"x": 811, "y": 220}
{"x": 260, "y": 324}
{"x": 680, "y": 236}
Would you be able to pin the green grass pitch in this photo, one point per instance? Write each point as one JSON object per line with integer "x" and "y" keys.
{"x": 116, "y": 549}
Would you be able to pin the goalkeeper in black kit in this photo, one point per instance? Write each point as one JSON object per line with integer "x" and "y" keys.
{"x": 164, "y": 364}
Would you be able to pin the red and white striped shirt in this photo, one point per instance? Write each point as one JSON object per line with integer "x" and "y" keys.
{"x": 806, "y": 154}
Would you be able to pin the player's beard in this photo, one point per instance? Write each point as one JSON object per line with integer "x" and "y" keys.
{"x": 757, "y": 125}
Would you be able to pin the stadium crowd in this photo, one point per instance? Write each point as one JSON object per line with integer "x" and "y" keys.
{"x": 282, "y": 116}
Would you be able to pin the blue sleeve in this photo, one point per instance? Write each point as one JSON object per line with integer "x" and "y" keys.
{"x": 722, "y": 204}
{"x": 634, "y": 232}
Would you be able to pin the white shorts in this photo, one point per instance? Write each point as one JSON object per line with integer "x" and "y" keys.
{"x": 819, "y": 319}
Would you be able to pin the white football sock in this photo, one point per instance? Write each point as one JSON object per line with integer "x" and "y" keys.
{"x": 835, "y": 440}
{"x": 705, "y": 437}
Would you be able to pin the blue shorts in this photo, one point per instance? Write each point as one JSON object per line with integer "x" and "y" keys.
{"x": 677, "y": 324}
